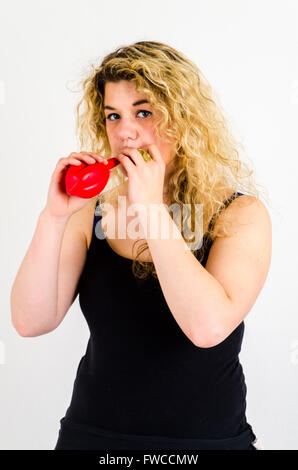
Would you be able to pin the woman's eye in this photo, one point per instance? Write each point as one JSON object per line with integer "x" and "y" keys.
{"x": 115, "y": 114}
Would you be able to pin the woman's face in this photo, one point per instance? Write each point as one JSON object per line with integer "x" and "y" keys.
{"x": 131, "y": 123}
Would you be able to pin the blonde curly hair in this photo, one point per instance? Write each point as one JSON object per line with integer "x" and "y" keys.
{"x": 207, "y": 167}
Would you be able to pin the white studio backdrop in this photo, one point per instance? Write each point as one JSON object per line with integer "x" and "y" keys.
{"x": 248, "y": 51}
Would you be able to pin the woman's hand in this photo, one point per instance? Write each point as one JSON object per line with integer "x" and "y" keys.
{"x": 145, "y": 178}
{"x": 59, "y": 203}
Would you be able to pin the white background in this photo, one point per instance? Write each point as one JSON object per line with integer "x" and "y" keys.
{"x": 248, "y": 51}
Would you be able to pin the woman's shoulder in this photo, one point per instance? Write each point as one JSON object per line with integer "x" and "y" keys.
{"x": 238, "y": 207}
{"x": 234, "y": 205}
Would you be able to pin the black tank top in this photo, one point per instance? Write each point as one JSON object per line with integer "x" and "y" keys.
{"x": 141, "y": 374}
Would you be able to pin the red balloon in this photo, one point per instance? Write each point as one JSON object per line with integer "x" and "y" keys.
{"x": 87, "y": 181}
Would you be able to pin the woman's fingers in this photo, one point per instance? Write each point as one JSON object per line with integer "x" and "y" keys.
{"x": 97, "y": 157}
{"x": 76, "y": 158}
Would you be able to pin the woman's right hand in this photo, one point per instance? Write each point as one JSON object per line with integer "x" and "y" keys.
{"x": 59, "y": 203}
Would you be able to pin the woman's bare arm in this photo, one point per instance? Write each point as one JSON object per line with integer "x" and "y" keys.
{"x": 33, "y": 296}
{"x": 46, "y": 282}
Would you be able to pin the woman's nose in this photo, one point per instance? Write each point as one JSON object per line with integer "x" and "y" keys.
{"x": 127, "y": 130}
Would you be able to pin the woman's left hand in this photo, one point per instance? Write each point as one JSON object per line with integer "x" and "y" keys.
{"x": 145, "y": 178}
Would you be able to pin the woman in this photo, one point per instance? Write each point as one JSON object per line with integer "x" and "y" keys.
{"x": 161, "y": 369}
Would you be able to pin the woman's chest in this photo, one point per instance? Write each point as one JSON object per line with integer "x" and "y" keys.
{"x": 124, "y": 233}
